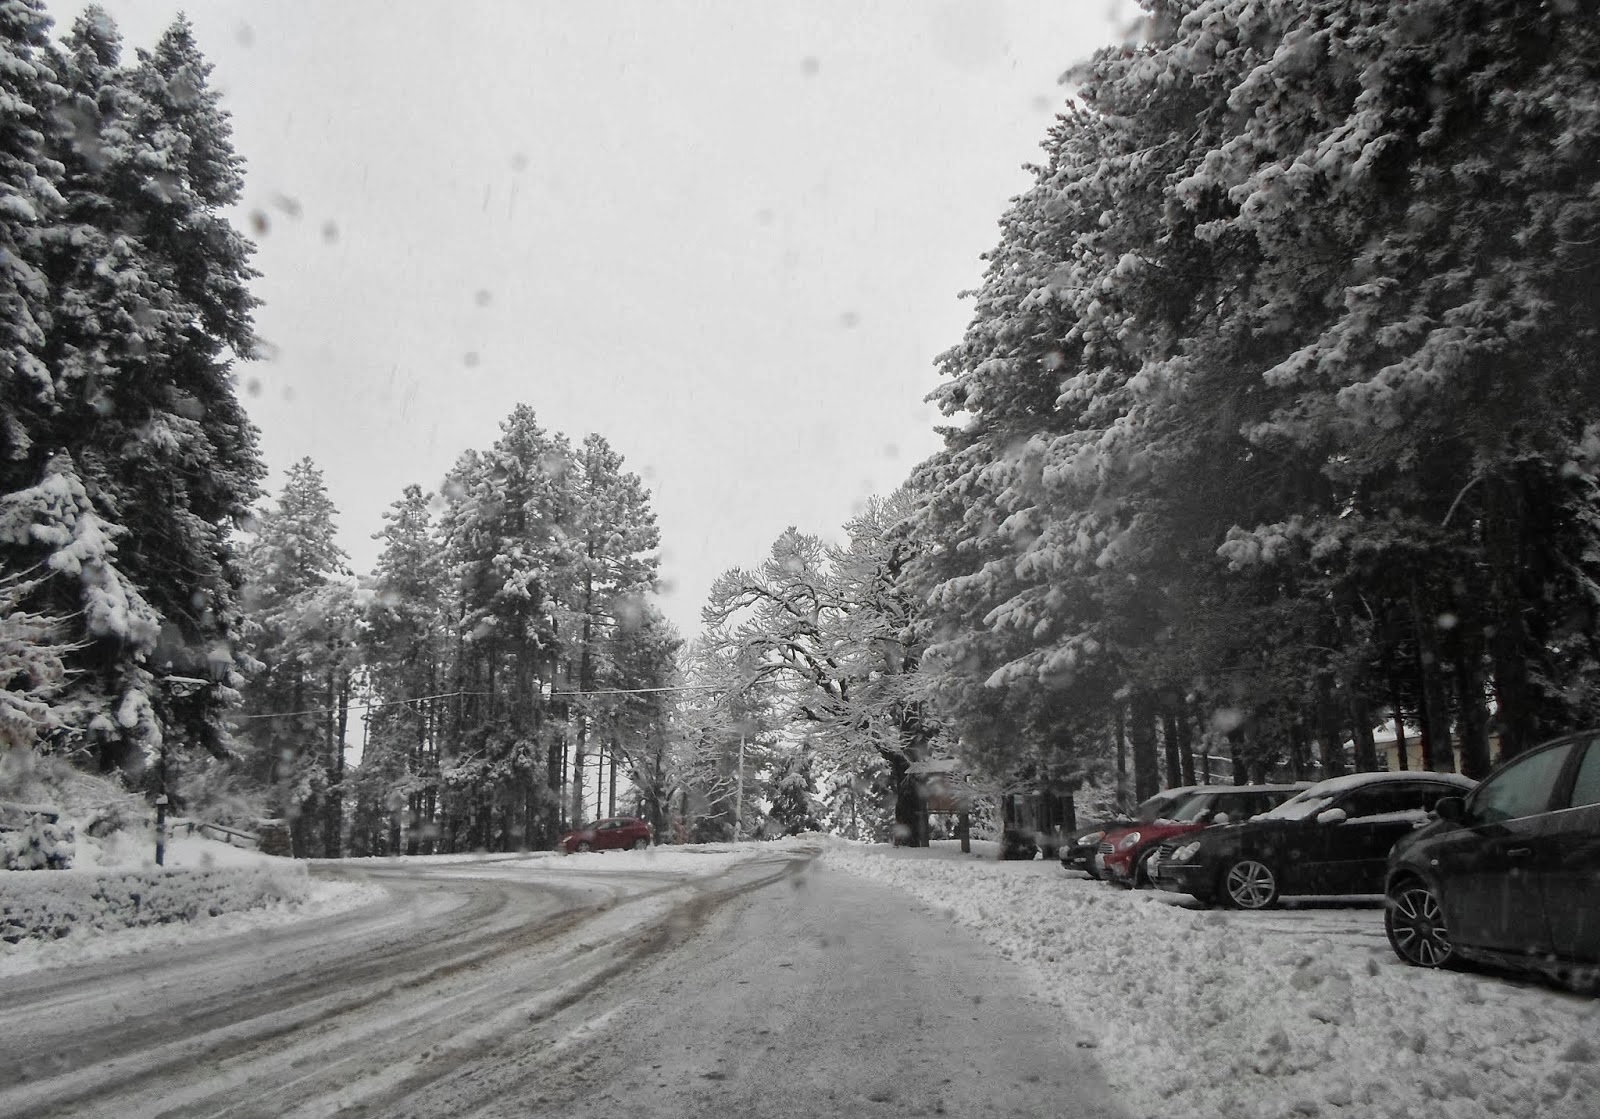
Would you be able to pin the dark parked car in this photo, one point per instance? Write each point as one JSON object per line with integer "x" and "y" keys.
{"x": 1124, "y": 853}
{"x": 1078, "y": 850}
{"x": 1509, "y": 875}
{"x": 1333, "y": 838}
{"x": 608, "y": 835}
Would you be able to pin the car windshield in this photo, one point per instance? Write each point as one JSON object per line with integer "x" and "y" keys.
{"x": 1298, "y": 807}
{"x": 1160, "y": 805}
{"x": 565, "y": 558}
{"x": 1192, "y": 808}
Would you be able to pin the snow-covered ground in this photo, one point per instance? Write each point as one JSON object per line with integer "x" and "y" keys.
{"x": 1293, "y": 1012}
{"x": 320, "y": 896}
{"x": 314, "y": 897}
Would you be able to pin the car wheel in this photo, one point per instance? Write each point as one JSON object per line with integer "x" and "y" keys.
{"x": 584, "y": 846}
{"x": 1248, "y": 884}
{"x": 1415, "y": 924}
{"x": 640, "y": 844}
{"x": 1141, "y": 870}
{"x": 1091, "y": 871}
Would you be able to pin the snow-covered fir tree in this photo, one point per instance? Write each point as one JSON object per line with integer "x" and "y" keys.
{"x": 305, "y": 635}
{"x": 1271, "y": 418}
{"x": 125, "y": 302}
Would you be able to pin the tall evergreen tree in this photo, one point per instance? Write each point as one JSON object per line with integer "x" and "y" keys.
{"x": 122, "y": 387}
{"x": 1270, "y": 387}
{"x": 304, "y": 633}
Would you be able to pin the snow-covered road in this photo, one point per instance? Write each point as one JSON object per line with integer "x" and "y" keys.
{"x": 742, "y": 981}
{"x": 759, "y": 980}
{"x": 447, "y": 995}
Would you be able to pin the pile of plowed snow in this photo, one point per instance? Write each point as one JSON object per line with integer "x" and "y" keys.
{"x": 1293, "y": 1012}
{"x": 115, "y": 899}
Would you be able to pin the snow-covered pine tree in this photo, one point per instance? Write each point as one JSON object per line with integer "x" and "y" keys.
{"x": 127, "y": 395}
{"x": 304, "y": 635}
{"x": 616, "y": 537}
{"x": 406, "y": 664}
{"x": 795, "y": 807}
{"x": 639, "y": 666}
{"x": 508, "y": 539}
{"x": 1274, "y": 369}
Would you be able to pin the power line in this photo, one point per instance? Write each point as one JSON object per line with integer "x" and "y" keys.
{"x": 357, "y": 706}
{"x": 649, "y": 691}
{"x": 451, "y": 695}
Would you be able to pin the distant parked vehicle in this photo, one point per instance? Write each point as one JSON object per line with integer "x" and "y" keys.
{"x": 1333, "y": 838}
{"x": 612, "y": 834}
{"x": 1078, "y": 849}
{"x": 1032, "y": 823}
{"x": 1124, "y": 854}
{"x": 1509, "y": 875}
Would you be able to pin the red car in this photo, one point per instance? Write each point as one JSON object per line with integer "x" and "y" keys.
{"x": 615, "y": 834}
{"x": 1124, "y": 852}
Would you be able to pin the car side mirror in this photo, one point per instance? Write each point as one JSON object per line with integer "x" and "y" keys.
{"x": 1333, "y": 816}
{"x": 1453, "y": 809}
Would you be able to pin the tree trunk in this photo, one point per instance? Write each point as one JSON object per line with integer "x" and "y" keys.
{"x": 1142, "y": 734}
{"x": 1169, "y": 733}
{"x": 1236, "y": 755}
{"x": 1329, "y": 733}
{"x": 1474, "y": 722}
{"x": 1437, "y": 755}
{"x": 1299, "y": 750}
{"x": 1122, "y": 758}
{"x": 612, "y": 809}
{"x": 1509, "y": 642}
{"x": 1361, "y": 724}
{"x": 1401, "y": 747}
{"x": 910, "y": 804}
{"x": 333, "y": 812}
{"x": 1185, "y": 743}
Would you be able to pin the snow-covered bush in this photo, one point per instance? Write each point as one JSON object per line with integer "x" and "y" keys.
{"x": 215, "y": 790}
{"x": 39, "y": 844}
{"x": 49, "y": 906}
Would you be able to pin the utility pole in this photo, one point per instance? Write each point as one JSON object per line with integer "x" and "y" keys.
{"x": 161, "y": 830}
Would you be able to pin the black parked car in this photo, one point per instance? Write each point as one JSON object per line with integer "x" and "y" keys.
{"x": 1333, "y": 838}
{"x": 1077, "y": 850}
{"x": 1510, "y": 875}
{"x": 1126, "y": 853}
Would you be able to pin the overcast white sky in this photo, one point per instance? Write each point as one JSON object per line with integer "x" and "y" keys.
{"x": 727, "y": 236}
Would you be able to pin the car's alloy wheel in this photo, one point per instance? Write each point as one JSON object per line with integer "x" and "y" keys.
{"x": 584, "y": 846}
{"x": 1415, "y": 925}
{"x": 640, "y": 844}
{"x": 1250, "y": 884}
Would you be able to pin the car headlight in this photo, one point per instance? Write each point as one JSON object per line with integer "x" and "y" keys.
{"x": 1128, "y": 842}
{"x": 1186, "y": 852}
{"x": 1092, "y": 839}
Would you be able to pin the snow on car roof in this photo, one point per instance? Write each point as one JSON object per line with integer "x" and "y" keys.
{"x": 1311, "y": 800}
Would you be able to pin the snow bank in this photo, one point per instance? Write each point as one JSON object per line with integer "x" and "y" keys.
{"x": 115, "y": 901}
{"x": 1259, "y": 1015}
{"x": 55, "y": 904}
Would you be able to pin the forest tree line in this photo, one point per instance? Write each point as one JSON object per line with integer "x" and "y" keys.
{"x": 1277, "y": 419}
{"x": 1276, "y": 422}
